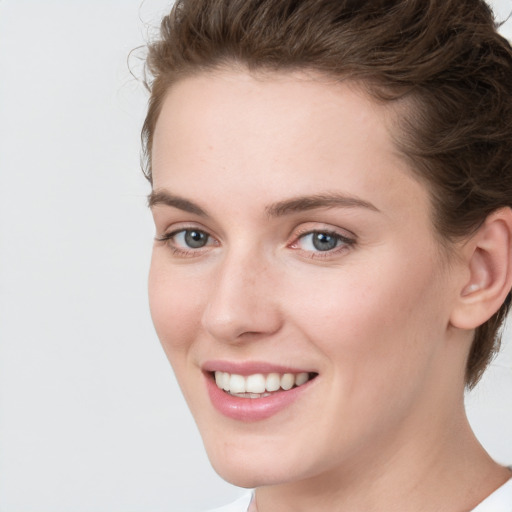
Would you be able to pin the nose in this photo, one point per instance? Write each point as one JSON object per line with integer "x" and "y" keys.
{"x": 242, "y": 300}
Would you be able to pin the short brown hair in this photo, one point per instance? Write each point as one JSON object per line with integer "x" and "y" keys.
{"x": 444, "y": 57}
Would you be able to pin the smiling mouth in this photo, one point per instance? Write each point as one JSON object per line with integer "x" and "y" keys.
{"x": 260, "y": 385}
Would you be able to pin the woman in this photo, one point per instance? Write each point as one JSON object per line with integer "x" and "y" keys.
{"x": 332, "y": 189}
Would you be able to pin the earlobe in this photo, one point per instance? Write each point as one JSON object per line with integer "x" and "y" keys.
{"x": 489, "y": 261}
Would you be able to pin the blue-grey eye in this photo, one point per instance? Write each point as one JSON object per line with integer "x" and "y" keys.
{"x": 193, "y": 238}
{"x": 324, "y": 241}
{"x": 320, "y": 241}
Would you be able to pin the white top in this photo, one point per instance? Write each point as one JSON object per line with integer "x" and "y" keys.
{"x": 240, "y": 505}
{"x": 499, "y": 501}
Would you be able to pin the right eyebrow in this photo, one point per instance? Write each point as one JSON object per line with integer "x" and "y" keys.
{"x": 162, "y": 197}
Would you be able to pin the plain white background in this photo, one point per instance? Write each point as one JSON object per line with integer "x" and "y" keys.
{"x": 91, "y": 418}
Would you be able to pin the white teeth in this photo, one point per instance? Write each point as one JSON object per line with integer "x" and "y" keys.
{"x": 225, "y": 381}
{"x": 301, "y": 378}
{"x": 237, "y": 384}
{"x": 287, "y": 381}
{"x": 273, "y": 382}
{"x": 257, "y": 385}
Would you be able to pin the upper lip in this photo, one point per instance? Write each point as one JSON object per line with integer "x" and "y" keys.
{"x": 250, "y": 367}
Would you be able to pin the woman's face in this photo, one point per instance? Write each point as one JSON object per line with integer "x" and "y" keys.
{"x": 293, "y": 239}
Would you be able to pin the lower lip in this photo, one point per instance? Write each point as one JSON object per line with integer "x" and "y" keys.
{"x": 252, "y": 409}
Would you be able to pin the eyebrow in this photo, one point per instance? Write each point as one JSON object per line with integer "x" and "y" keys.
{"x": 279, "y": 209}
{"x": 162, "y": 197}
{"x": 303, "y": 203}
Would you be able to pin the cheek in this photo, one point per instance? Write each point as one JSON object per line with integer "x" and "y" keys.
{"x": 374, "y": 314}
{"x": 175, "y": 302}
{"x": 379, "y": 332}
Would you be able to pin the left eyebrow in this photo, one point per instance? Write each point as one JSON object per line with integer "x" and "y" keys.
{"x": 303, "y": 203}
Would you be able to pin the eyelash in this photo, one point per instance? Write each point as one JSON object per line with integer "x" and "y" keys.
{"x": 343, "y": 243}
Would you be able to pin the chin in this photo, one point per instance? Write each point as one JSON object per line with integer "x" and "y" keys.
{"x": 240, "y": 467}
{"x": 249, "y": 475}
{"x": 241, "y": 477}
{"x": 251, "y": 469}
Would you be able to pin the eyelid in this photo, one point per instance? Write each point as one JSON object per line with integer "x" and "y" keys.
{"x": 335, "y": 234}
{"x": 314, "y": 227}
{"x": 177, "y": 227}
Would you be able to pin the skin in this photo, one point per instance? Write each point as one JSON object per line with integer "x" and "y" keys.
{"x": 383, "y": 426}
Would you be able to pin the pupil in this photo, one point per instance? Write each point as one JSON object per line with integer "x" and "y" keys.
{"x": 195, "y": 239}
{"x": 324, "y": 242}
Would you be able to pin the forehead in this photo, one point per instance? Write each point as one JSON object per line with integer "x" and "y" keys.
{"x": 276, "y": 108}
{"x": 223, "y": 129}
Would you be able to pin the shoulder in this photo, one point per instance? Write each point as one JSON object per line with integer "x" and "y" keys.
{"x": 240, "y": 505}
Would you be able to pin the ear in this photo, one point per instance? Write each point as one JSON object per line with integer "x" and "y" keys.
{"x": 488, "y": 257}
